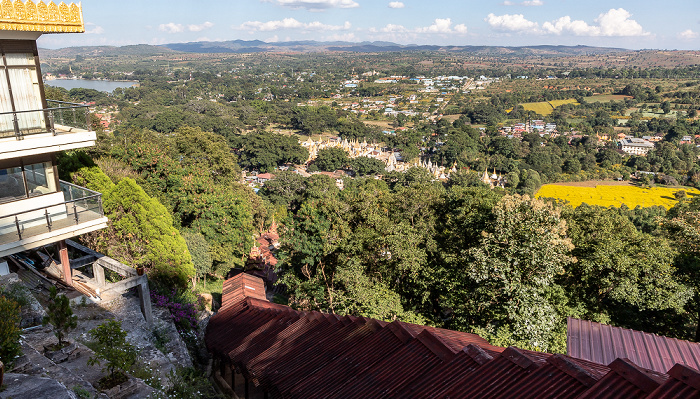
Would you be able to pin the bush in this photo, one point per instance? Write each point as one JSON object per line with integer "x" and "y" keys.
{"x": 110, "y": 345}
{"x": 182, "y": 306}
{"x": 60, "y": 315}
{"x": 9, "y": 330}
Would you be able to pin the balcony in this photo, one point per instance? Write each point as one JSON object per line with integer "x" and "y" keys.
{"x": 73, "y": 211}
{"x": 61, "y": 127}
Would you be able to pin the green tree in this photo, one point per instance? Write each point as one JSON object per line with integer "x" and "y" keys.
{"x": 141, "y": 234}
{"x": 682, "y": 226}
{"x": 10, "y": 332}
{"x": 110, "y": 345}
{"x": 509, "y": 280}
{"x": 367, "y": 166}
{"x": 620, "y": 270}
{"x": 199, "y": 250}
{"x": 60, "y": 315}
{"x": 331, "y": 159}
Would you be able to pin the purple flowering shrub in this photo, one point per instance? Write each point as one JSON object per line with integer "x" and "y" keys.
{"x": 182, "y": 309}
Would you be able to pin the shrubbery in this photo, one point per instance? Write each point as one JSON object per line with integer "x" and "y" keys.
{"x": 9, "y": 330}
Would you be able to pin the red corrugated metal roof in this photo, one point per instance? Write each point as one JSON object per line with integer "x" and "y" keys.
{"x": 603, "y": 343}
{"x": 294, "y": 354}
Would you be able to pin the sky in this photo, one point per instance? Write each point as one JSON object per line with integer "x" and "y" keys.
{"x": 638, "y": 24}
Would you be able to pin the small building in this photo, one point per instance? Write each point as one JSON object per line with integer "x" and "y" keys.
{"x": 636, "y": 146}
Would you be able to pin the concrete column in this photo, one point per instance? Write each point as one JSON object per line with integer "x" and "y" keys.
{"x": 99, "y": 273}
{"x": 65, "y": 263}
{"x": 145, "y": 301}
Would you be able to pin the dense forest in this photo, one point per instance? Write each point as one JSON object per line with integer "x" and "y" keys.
{"x": 456, "y": 253}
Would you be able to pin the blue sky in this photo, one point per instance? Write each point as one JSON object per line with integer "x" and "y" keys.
{"x": 640, "y": 24}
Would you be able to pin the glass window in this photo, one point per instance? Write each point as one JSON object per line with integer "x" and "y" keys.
{"x": 40, "y": 178}
{"x": 12, "y": 184}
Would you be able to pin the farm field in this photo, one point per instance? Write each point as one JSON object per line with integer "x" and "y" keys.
{"x": 613, "y": 195}
{"x": 546, "y": 107}
{"x": 605, "y": 98}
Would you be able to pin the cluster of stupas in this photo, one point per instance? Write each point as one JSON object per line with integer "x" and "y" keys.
{"x": 355, "y": 149}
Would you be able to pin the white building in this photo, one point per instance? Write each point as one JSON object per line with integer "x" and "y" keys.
{"x": 36, "y": 208}
{"x": 636, "y": 146}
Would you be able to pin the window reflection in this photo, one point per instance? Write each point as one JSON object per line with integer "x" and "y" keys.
{"x": 39, "y": 178}
{"x": 11, "y": 184}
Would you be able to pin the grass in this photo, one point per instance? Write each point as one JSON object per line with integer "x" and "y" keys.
{"x": 631, "y": 196}
{"x": 546, "y": 107}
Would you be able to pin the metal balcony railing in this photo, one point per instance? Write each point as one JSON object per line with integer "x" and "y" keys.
{"x": 81, "y": 205}
{"x": 61, "y": 117}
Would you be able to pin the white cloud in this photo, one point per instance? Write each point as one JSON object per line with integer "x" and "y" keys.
{"x": 615, "y": 22}
{"x": 396, "y": 4}
{"x": 688, "y": 34}
{"x": 94, "y": 29}
{"x": 512, "y": 23}
{"x": 289, "y": 23}
{"x": 390, "y": 28}
{"x": 439, "y": 26}
{"x": 566, "y": 25}
{"x": 526, "y": 3}
{"x": 171, "y": 27}
{"x": 315, "y": 5}
{"x": 200, "y": 27}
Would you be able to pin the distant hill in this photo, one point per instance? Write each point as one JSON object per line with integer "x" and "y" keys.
{"x": 255, "y": 46}
{"x": 105, "y": 51}
{"x": 310, "y": 46}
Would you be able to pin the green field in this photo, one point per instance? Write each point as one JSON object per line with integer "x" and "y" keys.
{"x": 604, "y": 195}
{"x": 546, "y": 107}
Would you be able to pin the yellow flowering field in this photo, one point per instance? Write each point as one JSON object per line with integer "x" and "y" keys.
{"x": 614, "y": 195}
{"x": 546, "y": 107}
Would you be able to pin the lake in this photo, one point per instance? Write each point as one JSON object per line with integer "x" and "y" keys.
{"x": 100, "y": 85}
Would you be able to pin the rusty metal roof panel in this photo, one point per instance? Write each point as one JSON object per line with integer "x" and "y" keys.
{"x": 242, "y": 286}
{"x": 684, "y": 383}
{"x": 367, "y": 353}
{"x": 402, "y": 367}
{"x": 230, "y": 329}
{"x": 447, "y": 374}
{"x": 602, "y": 344}
{"x": 303, "y": 337}
{"x": 499, "y": 375}
{"x": 456, "y": 339}
{"x": 626, "y": 380}
{"x": 284, "y": 372}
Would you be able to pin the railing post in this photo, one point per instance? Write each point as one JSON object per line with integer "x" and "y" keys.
{"x": 87, "y": 118}
{"x": 52, "y": 123}
{"x": 75, "y": 119}
{"x": 19, "y": 231}
{"x": 99, "y": 202}
{"x": 16, "y": 123}
{"x": 48, "y": 219}
{"x": 75, "y": 213}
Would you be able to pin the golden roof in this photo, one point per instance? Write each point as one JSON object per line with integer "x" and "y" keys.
{"x": 41, "y": 17}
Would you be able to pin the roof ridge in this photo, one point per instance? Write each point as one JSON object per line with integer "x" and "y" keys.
{"x": 575, "y": 370}
{"x": 436, "y": 345}
{"x": 634, "y": 374}
{"x": 520, "y": 358}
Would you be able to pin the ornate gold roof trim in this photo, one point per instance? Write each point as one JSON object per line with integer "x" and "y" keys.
{"x": 40, "y": 17}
